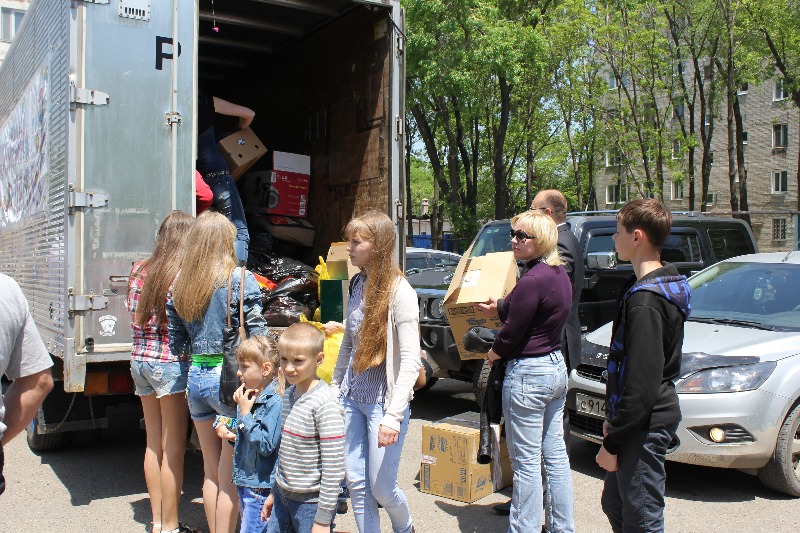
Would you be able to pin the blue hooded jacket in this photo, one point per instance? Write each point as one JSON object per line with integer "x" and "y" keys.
{"x": 645, "y": 355}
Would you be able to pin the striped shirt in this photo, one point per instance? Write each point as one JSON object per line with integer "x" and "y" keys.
{"x": 151, "y": 342}
{"x": 368, "y": 386}
{"x": 311, "y": 454}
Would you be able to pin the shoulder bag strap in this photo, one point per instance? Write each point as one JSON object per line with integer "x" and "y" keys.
{"x": 230, "y": 282}
{"x": 242, "y": 330}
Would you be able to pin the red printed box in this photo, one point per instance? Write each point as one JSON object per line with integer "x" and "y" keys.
{"x": 289, "y": 183}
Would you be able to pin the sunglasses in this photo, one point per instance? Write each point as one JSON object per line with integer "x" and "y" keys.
{"x": 520, "y": 235}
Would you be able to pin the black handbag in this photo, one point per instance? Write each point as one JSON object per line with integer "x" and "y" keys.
{"x": 231, "y": 338}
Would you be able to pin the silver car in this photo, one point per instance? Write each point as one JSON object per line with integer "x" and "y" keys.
{"x": 739, "y": 387}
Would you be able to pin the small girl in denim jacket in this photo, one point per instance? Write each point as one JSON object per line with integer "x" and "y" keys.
{"x": 257, "y": 431}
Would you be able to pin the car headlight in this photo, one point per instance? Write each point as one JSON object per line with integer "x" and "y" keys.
{"x": 436, "y": 308}
{"x": 727, "y": 379}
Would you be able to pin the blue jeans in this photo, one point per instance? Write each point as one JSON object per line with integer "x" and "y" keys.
{"x": 250, "y": 504}
{"x": 372, "y": 471}
{"x": 227, "y": 201}
{"x": 534, "y": 392}
{"x": 202, "y": 392}
{"x": 160, "y": 378}
{"x": 633, "y": 496}
{"x": 290, "y": 516}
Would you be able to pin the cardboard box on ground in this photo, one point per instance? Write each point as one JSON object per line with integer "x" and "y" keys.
{"x": 450, "y": 460}
{"x": 475, "y": 280}
{"x": 241, "y": 150}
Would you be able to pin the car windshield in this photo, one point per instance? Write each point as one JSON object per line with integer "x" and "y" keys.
{"x": 758, "y": 295}
{"x": 493, "y": 238}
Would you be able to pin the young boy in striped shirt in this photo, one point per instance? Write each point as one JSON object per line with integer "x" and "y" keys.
{"x": 311, "y": 456}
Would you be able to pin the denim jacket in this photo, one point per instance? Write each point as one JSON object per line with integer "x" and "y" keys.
{"x": 258, "y": 436}
{"x": 205, "y": 336}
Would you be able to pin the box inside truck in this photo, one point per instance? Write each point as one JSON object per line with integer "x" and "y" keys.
{"x": 317, "y": 76}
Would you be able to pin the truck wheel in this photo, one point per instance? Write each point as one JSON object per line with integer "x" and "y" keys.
{"x": 480, "y": 378}
{"x": 430, "y": 380}
{"x": 40, "y": 442}
{"x": 782, "y": 472}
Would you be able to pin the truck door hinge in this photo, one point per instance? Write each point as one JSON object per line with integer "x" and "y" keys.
{"x": 173, "y": 118}
{"x": 400, "y": 124}
{"x": 78, "y": 95}
{"x": 82, "y": 200}
{"x": 80, "y": 303}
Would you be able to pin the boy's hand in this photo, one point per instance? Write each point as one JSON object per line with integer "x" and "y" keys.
{"x": 266, "y": 511}
{"x": 225, "y": 433}
{"x": 245, "y": 398}
{"x": 320, "y": 528}
{"x": 387, "y": 436}
{"x": 605, "y": 428}
{"x": 606, "y": 460}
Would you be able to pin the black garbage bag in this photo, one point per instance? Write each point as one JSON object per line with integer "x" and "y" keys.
{"x": 284, "y": 311}
{"x": 274, "y": 266}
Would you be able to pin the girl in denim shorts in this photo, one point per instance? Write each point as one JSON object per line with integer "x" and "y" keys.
{"x": 197, "y": 314}
{"x": 160, "y": 374}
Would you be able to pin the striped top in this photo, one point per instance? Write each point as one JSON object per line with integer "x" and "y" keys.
{"x": 311, "y": 454}
{"x": 370, "y": 385}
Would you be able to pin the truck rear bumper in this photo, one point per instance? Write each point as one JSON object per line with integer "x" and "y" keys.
{"x": 437, "y": 340}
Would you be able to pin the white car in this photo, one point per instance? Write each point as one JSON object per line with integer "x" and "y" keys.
{"x": 739, "y": 387}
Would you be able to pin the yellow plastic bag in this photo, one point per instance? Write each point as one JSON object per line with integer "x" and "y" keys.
{"x": 332, "y": 344}
{"x": 322, "y": 273}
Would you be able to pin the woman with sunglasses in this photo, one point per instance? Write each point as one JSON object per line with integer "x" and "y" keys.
{"x": 535, "y": 386}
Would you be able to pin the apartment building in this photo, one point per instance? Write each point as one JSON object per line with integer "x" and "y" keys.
{"x": 11, "y": 13}
{"x": 770, "y": 123}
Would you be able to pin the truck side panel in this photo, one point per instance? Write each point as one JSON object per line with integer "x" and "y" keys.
{"x": 33, "y": 239}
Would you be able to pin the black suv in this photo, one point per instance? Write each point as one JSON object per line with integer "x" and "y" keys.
{"x": 695, "y": 242}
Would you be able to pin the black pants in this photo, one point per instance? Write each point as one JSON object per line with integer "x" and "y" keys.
{"x": 2, "y": 479}
{"x": 633, "y": 496}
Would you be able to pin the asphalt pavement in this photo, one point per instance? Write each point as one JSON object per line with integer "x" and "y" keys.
{"x": 100, "y": 488}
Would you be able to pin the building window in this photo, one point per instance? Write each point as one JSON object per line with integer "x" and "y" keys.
{"x": 780, "y": 135}
{"x": 707, "y": 71}
{"x": 10, "y": 20}
{"x": 744, "y": 137}
{"x": 676, "y": 149}
{"x": 711, "y": 159}
{"x": 780, "y": 90}
{"x": 711, "y": 199}
{"x": 616, "y": 194}
{"x": 613, "y": 158}
{"x": 744, "y": 88}
{"x": 678, "y": 111}
{"x": 677, "y": 190}
{"x": 612, "y": 82}
{"x": 779, "y": 229}
{"x": 780, "y": 181}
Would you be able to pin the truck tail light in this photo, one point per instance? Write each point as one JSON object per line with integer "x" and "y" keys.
{"x": 120, "y": 382}
{"x": 115, "y": 382}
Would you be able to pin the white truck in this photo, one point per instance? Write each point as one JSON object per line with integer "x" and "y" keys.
{"x": 98, "y": 145}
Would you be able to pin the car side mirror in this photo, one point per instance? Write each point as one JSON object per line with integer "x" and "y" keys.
{"x": 601, "y": 260}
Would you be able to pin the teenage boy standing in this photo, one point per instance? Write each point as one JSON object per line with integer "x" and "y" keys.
{"x": 642, "y": 410}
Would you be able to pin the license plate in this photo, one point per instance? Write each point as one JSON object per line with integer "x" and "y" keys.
{"x": 590, "y": 405}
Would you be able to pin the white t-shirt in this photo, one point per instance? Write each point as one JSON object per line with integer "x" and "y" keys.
{"x": 22, "y": 351}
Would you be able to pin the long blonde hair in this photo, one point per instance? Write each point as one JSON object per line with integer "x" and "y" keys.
{"x": 544, "y": 229}
{"x": 207, "y": 262}
{"x": 162, "y": 267}
{"x": 383, "y": 272}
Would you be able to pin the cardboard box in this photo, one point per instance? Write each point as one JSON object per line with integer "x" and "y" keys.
{"x": 338, "y": 262}
{"x": 290, "y": 229}
{"x": 475, "y": 280}
{"x": 450, "y": 460}
{"x": 241, "y": 150}
{"x": 290, "y": 179}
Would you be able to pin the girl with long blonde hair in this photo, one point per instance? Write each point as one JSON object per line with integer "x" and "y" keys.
{"x": 159, "y": 374}
{"x": 197, "y": 314}
{"x": 378, "y": 364}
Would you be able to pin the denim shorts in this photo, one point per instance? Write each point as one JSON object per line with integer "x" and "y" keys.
{"x": 161, "y": 378}
{"x": 202, "y": 392}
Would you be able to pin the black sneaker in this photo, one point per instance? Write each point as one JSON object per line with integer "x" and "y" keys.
{"x": 341, "y": 506}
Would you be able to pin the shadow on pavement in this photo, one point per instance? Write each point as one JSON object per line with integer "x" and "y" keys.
{"x": 447, "y": 397}
{"x": 112, "y": 467}
{"x": 475, "y": 517}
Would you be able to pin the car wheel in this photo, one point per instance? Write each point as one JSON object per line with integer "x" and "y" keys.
{"x": 480, "y": 379}
{"x": 431, "y": 381}
{"x": 40, "y": 442}
{"x": 782, "y": 473}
